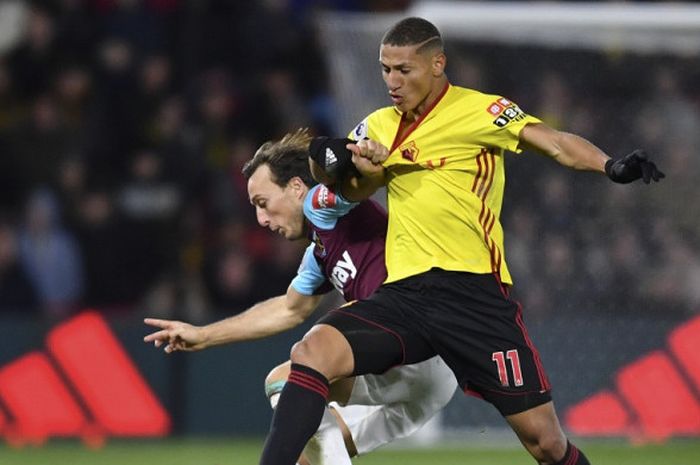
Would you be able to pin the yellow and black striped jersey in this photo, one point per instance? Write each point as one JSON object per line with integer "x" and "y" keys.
{"x": 445, "y": 182}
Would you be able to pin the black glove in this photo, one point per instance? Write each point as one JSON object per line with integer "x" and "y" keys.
{"x": 632, "y": 167}
{"x": 332, "y": 156}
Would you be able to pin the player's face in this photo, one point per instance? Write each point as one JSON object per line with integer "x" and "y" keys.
{"x": 413, "y": 79}
{"x": 278, "y": 208}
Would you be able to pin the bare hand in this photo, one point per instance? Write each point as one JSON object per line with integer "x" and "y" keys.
{"x": 176, "y": 335}
{"x": 370, "y": 149}
{"x": 366, "y": 167}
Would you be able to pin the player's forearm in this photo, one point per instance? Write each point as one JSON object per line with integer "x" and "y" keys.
{"x": 578, "y": 153}
{"x": 357, "y": 189}
{"x": 264, "y": 319}
{"x": 568, "y": 149}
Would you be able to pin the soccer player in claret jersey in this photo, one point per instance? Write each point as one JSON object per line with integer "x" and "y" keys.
{"x": 346, "y": 252}
{"x": 439, "y": 151}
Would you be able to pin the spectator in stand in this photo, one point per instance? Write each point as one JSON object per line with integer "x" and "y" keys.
{"x": 51, "y": 256}
{"x": 150, "y": 205}
{"x": 17, "y": 293}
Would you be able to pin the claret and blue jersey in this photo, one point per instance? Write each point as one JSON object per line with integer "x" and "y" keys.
{"x": 347, "y": 245}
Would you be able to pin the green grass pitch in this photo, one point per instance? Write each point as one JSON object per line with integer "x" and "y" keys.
{"x": 246, "y": 452}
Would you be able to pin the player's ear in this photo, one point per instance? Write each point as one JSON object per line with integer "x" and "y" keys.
{"x": 438, "y": 64}
{"x": 298, "y": 186}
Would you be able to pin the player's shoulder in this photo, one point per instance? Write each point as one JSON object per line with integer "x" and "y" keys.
{"x": 374, "y": 123}
{"x": 321, "y": 197}
{"x": 471, "y": 95}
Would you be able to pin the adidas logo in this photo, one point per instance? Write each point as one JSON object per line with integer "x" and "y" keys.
{"x": 331, "y": 159}
{"x": 653, "y": 397}
{"x": 83, "y": 385}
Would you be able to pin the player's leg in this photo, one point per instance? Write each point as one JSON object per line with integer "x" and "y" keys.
{"x": 482, "y": 336}
{"x": 408, "y": 397}
{"x": 326, "y": 353}
{"x": 275, "y": 381}
{"x": 328, "y": 445}
{"x": 539, "y": 430}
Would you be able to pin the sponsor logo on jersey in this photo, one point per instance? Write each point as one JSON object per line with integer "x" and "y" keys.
{"x": 343, "y": 270}
{"x": 512, "y": 113}
{"x": 360, "y": 131}
{"x": 409, "y": 151}
{"x": 431, "y": 165}
{"x": 495, "y": 108}
{"x": 323, "y": 198}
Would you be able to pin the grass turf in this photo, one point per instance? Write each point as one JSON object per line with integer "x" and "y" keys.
{"x": 246, "y": 452}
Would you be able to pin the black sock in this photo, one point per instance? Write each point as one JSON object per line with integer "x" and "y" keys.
{"x": 573, "y": 456}
{"x": 296, "y": 417}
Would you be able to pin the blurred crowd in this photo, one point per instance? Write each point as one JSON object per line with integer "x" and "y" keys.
{"x": 124, "y": 125}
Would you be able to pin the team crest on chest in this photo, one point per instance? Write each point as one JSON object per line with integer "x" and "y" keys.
{"x": 409, "y": 151}
{"x": 320, "y": 248}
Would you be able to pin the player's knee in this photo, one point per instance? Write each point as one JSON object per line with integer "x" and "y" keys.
{"x": 313, "y": 353}
{"x": 278, "y": 373}
{"x": 275, "y": 381}
{"x": 549, "y": 447}
{"x": 305, "y": 352}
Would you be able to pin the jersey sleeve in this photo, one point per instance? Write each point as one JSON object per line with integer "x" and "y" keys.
{"x": 310, "y": 279}
{"x": 502, "y": 122}
{"x": 360, "y": 132}
{"x": 323, "y": 206}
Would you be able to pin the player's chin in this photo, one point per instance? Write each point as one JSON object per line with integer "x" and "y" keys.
{"x": 293, "y": 235}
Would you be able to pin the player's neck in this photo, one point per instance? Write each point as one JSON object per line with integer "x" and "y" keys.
{"x": 428, "y": 102}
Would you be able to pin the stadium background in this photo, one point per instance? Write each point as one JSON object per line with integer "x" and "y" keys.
{"x": 123, "y": 127}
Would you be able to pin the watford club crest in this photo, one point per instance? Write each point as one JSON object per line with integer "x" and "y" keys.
{"x": 409, "y": 151}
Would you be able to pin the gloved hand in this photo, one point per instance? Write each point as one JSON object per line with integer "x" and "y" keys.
{"x": 332, "y": 156}
{"x": 632, "y": 167}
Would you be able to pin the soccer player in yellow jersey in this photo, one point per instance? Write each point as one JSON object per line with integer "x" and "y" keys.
{"x": 439, "y": 150}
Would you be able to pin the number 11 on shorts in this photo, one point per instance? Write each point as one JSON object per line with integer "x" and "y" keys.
{"x": 500, "y": 359}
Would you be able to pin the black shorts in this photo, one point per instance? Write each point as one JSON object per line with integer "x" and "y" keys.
{"x": 468, "y": 319}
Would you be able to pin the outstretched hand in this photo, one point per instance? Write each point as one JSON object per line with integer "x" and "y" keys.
{"x": 632, "y": 167}
{"x": 176, "y": 335}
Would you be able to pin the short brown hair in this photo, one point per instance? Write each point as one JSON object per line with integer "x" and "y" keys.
{"x": 286, "y": 158}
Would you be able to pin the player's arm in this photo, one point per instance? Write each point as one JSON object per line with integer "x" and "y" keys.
{"x": 353, "y": 166}
{"x": 568, "y": 149}
{"x": 372, "y": 175}
{"x": 264, "y": 319}
{"x": 576, "y": 152}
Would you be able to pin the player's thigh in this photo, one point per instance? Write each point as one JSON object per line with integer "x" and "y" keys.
{"x": 481, "y": 335}
{"x": 325, "y": 349}
{"x": 378, "y": 334}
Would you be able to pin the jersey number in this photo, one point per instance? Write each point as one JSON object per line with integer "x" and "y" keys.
{"x": 500, "y": 359}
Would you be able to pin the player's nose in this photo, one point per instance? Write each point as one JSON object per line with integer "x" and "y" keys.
{"x": 263, "y": 219}
{"x": 393, "y": 80}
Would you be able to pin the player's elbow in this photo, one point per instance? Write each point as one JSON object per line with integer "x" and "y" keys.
{"x": 299, "y": 310}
